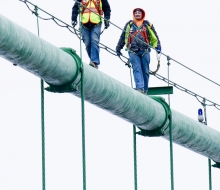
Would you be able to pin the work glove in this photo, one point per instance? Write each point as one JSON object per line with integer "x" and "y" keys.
{"x": 106, "y": 23}
{"x": 74, "y": 23}
{"x": 158, "y": 49}
{"x": 118, "y": 52}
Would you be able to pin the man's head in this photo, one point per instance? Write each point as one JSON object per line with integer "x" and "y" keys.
{"x": 138, "y": 13}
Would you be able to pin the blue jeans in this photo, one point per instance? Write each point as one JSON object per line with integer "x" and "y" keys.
{"x": 140, "y": 64}
{"x": 91, "y": 40}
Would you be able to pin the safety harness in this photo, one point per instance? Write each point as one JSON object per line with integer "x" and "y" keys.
{"x": 141, "y": 30}
{"x": 97, "y": 9}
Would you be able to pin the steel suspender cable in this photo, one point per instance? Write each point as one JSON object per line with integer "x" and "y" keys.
{"x": 43, "y": 137}
{"x": 209, "y": 160}
{"x": 170, "y": 130}
{"x": 134, "y": 143}
{"x": 135, "y": 156}
{"x": 42, "y": 116}
{"x": 83, "y": 111}
{"x": 210, "y": 174}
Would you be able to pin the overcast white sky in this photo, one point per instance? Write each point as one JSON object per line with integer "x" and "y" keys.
{"x": 189, "y": 33}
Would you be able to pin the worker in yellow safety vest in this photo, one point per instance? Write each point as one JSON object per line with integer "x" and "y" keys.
{"x": 91, "y": 12}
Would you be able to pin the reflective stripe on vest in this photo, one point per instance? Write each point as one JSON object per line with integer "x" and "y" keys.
{"x": 94, "y": 6}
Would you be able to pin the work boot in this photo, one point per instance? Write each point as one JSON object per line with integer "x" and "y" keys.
{"x": 145, "y": 92}
{"x": 140, "y": 90}
{"x": 93, "y": 65}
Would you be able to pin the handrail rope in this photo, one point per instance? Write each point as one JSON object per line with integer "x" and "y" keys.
{"x": 192, "y": 70}
{"x": 137, "y": 39}
{"x": 52, "y": 18}
{"x": 156, "y": 75}
{"x": 68, "y": 27}
{"x": 42, "y": 116}
{"x": 186, "y": 90}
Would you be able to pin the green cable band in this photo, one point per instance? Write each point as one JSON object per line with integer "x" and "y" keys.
{"x": 168, "y": 116}
{"x": 70, "y": 87}
{"x": 77, "y": 59}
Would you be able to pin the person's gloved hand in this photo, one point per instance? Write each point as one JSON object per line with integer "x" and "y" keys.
{"x": 74, "y": 23}
{"x": 106, "y": 23}
{"x": 118, "y": 52}
{"x": 158, "y": 49}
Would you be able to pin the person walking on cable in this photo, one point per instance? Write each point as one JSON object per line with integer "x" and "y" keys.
{"x": 91, "y": 12}
{"x": 137, "y": 37}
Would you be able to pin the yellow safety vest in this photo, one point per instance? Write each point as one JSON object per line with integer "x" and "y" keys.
{"x": 88, "y": 12}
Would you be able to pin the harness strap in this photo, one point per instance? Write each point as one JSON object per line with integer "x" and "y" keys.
{"x": 136, "y": 53}
{"x": 97, "y": 6}
{"x": 143, "y": 33}
{"x": 91, "y": 10}
{"x": 85, "y": 5}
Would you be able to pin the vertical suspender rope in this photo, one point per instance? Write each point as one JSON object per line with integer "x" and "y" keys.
{"x": 82, "y": 107}
{"x": 134, "y": 141}
{"x": 42, "y": 117}
{"x": 43, "y": 136}
{"x": 170, "y": 131}
{"x": 210, "y": 174}
{"x": 135, "y": 157}
{"x": 209, "y": 160}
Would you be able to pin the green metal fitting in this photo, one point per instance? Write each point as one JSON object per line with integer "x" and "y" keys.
{"x": 70, "y": 87}
{"x": 36, "y": 11}
{"x": 161, "y": 90}
{"x": 216, "y": 165}
{"x": 159, "y": 131}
